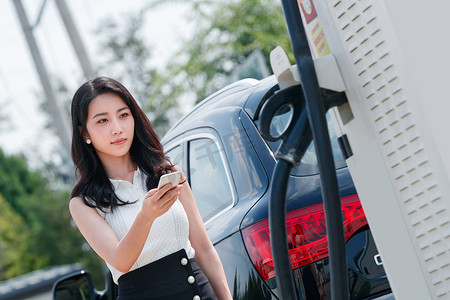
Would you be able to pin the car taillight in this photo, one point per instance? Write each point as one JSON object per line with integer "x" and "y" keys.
{"x": 307, "y": 238}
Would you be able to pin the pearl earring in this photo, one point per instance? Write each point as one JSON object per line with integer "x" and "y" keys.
{"x": 88, "y": 141}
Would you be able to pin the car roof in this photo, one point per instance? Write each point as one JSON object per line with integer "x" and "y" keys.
{"x": 251, "y": 92}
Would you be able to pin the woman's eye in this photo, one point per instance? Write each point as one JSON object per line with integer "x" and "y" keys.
{"x": 124, "y": 115}
{"x": 102, "y": 121}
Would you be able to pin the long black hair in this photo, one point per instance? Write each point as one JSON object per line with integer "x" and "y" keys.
{"x": 146, "y": 150}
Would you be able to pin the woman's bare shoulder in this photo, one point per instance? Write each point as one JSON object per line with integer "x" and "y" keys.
{"x": 77, "y": 204}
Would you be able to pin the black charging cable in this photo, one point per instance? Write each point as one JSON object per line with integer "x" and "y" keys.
{"x": 296, "y": 139}
{"x": 308, "y": 122}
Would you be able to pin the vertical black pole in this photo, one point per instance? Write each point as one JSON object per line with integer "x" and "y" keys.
{"x": 317, "y": 121}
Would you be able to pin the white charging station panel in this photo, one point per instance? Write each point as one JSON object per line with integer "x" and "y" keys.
{"x": 393, "y": 58}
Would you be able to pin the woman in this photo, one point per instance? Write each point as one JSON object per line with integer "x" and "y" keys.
{"x": 153, "y": 241}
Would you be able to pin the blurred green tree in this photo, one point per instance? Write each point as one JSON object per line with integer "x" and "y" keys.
{"x": 13, "y": 242}
{"x": 127, "y": 59}
{"x": 226, "y": 34}
{"x": 35, "y": 223}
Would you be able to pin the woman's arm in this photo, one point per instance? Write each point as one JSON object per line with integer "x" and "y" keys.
{"x": 205, "y": 253}
{"x": 121, "y": 254}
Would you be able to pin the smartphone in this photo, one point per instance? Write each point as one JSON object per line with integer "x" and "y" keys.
{"x": 174, "y": 178}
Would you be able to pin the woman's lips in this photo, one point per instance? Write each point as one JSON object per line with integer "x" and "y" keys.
{"x": 119, "y": 141}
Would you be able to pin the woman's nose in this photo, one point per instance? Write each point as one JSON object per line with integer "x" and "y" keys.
{"x": 117, "y": 129}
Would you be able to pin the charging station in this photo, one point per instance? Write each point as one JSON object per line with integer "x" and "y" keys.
{"x": 391, "y": 57}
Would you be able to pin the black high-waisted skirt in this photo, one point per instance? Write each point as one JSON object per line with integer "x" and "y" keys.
{"x": 173, "y": 277}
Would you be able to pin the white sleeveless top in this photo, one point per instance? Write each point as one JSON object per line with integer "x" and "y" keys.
{"x": 168, "y": 234}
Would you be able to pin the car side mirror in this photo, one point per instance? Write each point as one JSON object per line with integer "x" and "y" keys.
{"x": 76, "y": 286}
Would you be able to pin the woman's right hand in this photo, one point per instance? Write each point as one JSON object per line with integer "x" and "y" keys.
{"x": 158, "y": 202}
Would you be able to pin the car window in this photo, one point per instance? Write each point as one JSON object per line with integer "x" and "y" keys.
{"x": 309, "y": 164}
{"x": 208, "y": 178}
{"x": 176, "y": 155}
{"x": 310, "y": 157}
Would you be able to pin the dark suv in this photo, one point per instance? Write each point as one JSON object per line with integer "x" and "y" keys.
{"x": 230, "y": 166}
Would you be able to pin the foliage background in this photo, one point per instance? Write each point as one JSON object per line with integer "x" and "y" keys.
{"x": 36, "y": 229}
{"x": 35, "y": 225}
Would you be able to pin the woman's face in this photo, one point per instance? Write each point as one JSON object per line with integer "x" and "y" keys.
{"x": 110, "y": 126}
